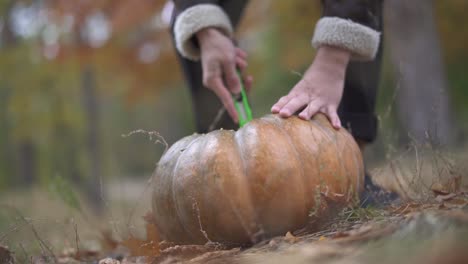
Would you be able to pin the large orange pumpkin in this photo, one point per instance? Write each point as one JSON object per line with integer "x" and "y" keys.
{"x": 272, "y": 176}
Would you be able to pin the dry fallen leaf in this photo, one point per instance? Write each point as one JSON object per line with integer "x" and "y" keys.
{"x": 439, "y": 189}
{"x": 136, "y": 260}
{"x": 109, "y": 261}
{"x": 441, "y": 198}
{"x": 456, "y": 203}
{"x": 340, "y": 234}
{"x": 148, "y": 247}
{"x": 290, "y": 238}
{"x": 407, "y": 208}
{"x": 6, "y": 256}
{"x": 81, "y": 254}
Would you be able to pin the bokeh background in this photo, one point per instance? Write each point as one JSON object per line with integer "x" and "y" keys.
{"x": 77, "y": 76}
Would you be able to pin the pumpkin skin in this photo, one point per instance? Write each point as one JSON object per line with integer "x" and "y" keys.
{"x": 272, "y": 176}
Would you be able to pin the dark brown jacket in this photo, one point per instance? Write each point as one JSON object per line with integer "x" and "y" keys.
{"x": 354, "y": 25}
{"x": 365, "y": 12}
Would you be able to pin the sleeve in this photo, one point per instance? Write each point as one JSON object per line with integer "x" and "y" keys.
{"x": 191, "y": 17}
{"x": 353, "y": 25}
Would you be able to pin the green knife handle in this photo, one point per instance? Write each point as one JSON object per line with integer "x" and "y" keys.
{"x": 242, "y": 105}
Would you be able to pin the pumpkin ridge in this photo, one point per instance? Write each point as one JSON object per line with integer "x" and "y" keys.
{"x": 299, "y": 161}
{"x": 258, "y": 224}
{"x": 334, "y": 140}
{"x": 320, "y": 147}
{"x": 268, "y": 181}
{"x": 298, "y": 157}
{"x": 168, "y": 176}
{"x": 359, "y": 164}
{"x": 244, "y": 175}
{"x": 341, "y": 135}
{"x": 230, "y": 200}
{"x": 174, "y": 198}
{"x": 317, "y": 161}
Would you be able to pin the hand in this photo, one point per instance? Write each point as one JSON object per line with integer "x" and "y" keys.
{"x": 220, "y": 60}
{"x": 320, "y": 89}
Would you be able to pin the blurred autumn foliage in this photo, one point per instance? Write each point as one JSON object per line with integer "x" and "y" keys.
{"x": 76, "y": 75}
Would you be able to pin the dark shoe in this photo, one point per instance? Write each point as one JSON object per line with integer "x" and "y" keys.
{"x": 375, "y": 196}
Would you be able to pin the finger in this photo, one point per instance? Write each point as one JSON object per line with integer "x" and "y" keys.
{"x": 248, "y": 83}
{"x": 245, "y": 79}
{"x": 225, "y": 96}
{"x": 211, "y": 72}
{"x": 232, "y": 79}
{"x": 276, "y": 108}
{"x": 333, "y": 117}
{"x": 311, "y": 109}
{"x": 241, "y": 63}
{"x": 293, "y": 105}
{"x": 241, "y": 53}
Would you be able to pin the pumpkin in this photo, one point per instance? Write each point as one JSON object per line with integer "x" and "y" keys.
{"x": 272, "y": 176}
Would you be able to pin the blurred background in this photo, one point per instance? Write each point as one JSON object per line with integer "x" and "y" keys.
{"x": 75, "y": 76}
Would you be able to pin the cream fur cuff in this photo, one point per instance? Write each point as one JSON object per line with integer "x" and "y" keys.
{"x": 192, "y": 20}
{"x": 362, "y": 41}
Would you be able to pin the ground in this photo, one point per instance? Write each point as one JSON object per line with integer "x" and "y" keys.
{"x": 430, "y": 226}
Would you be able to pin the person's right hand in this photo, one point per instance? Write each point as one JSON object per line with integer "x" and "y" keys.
{"x": 220, "y": 60}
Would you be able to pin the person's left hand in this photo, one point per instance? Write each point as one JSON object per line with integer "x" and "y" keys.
{"x": 320, "y": 89}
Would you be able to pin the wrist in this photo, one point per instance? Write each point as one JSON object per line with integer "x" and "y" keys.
{"x": 329, "y": 55}
{"x": 330, "y": 60}
{"x": 205, "y": 34}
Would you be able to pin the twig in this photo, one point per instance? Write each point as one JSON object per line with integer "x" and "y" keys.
{"x": 398, "y": 181}
{"x": 296, "y": 73}
{"x": 217, "y": 118}
{"x": 158, "y": 138}
{"x": 12, "y": 230}
{"x": 26, "y": 221}
{"x": 390, "y": 105}
{"x": 195, "y": 206}
{"x": 24, "y": 251}
{"x": 16, "y": 227}
{"x": 77, "y": 238}
{"x": 42, "y": 244}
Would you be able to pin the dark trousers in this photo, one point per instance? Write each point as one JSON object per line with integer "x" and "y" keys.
{"x": 356, "y": 109}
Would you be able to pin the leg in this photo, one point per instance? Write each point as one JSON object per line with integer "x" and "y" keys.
{"x": 357, "y": 108}
{"x": 357, "y": 114}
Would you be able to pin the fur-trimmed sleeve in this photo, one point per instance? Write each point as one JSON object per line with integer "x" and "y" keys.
{"x": 192, "y": 19}
{"x": 353, "y": 25}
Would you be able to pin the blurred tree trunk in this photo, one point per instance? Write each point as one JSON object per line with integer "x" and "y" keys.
{"x": 27, "y": 162}
{"x": 6, "y": 160}
{"x": 8, "y": 38}
{"x": 26, "y": 154}
{"x": 91, "y": 108}
{"x": 423, "y": 102}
